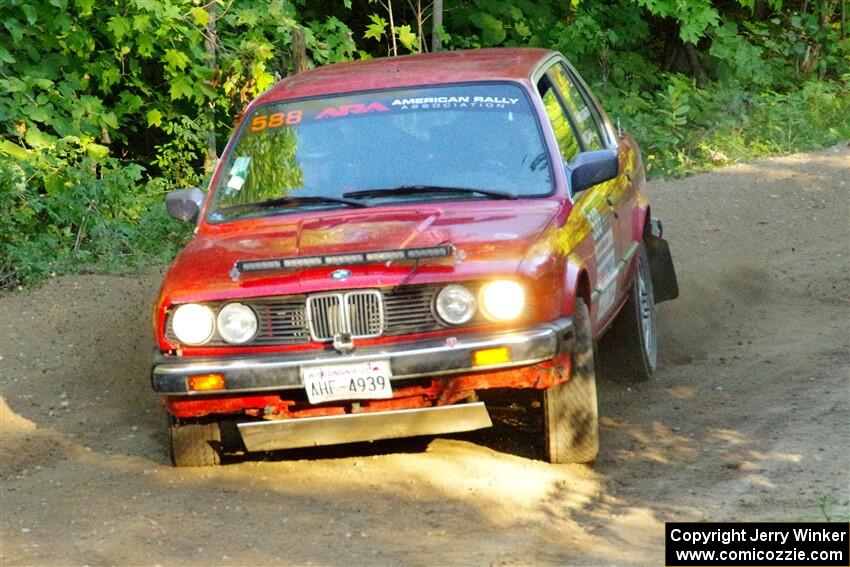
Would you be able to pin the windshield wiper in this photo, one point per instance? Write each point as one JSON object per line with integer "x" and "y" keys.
{"x": 416, "y": 189}
{"x": 294, "y": 201}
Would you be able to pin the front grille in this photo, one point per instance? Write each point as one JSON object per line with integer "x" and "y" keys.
{"x": 366, "y": 313}
{"x": 369, "y": 313}
{"x": 283, "y": 320}
{"x": 359, "y": 313}
{"x": 324, "y": 314}
{"x": 409, "y": 310}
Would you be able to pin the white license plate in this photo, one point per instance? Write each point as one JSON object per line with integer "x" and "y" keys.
{"x": 355, "y": 381}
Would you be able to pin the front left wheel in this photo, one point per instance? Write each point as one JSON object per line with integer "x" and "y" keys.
{"x": 570, "y": 411}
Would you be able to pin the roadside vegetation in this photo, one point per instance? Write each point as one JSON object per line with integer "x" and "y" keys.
{"x": 109, "y": 105}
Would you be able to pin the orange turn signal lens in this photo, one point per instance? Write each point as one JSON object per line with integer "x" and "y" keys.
{"x": 490, "y": 356}
{"x": 205, "y": 382}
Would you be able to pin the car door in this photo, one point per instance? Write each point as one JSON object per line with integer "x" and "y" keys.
{"x": 597, "y": 133}
{"x": 591, "y": 204}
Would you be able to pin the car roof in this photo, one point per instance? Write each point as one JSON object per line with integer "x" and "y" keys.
{"x": 410, "y": 70}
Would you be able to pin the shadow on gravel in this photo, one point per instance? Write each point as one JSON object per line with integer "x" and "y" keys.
{"x": 410, "y": 446}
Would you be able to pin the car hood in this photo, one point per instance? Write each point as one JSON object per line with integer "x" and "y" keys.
{"x": 490, "y": 238}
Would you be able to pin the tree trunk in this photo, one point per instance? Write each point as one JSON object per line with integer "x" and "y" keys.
{"x": 760, "y": 10}
{"x": 436, "y": 24}
{"x": 671, "y": 50}
{"x": 298, "y": 51}
{"x": 392, "y": 26}
{"x": 693, "y": 61}
{"x": 210, "y": 41}
{"x": 419, "y": 23}
{"x": 671, "y": 54}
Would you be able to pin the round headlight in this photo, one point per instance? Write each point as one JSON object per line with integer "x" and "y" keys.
{"x": 193, "y": 324}
{"x": 237, "y": 323}
{"x": 502, "y": 300}
{"x": 455, "y": 304}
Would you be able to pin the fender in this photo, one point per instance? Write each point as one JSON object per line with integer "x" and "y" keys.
{"x": 641, "y": 215}
{"x": 576, "y": 284}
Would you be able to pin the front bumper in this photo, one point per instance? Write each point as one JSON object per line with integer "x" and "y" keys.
{"x": 408, "y": 360}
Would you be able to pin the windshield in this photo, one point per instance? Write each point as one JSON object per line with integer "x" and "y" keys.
{"x": 314, "y": 153}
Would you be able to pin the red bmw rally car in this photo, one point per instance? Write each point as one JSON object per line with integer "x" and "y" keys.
{"x": 386, "y": 242}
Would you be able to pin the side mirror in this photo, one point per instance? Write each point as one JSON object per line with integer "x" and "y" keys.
{"x": 590, "y": 168}
{"x": 184, "y": 204}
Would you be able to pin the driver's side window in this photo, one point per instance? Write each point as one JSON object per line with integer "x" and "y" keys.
{"x": 564, "y": 133}
{"x": 586, "y": 121}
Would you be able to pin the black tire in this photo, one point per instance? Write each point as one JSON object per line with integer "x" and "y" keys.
{"x": 570, "y": 411}
{"x": 630, "y": 348}
{"x": 194, "y": 444}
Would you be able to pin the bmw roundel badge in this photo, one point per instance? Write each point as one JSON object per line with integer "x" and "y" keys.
{"x": 340, "y": 275}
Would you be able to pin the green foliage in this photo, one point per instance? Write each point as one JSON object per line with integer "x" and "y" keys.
{"x": 87, "y": 80}
{"x": 178, "y": 155}
{"x": 110, "y": 104}
{"x": 694, "y": 17}
{"x": 503, "y": 23}
{"x": 779, "y": 52}
{"x": 89, "y": 214}
{"x": 407, "y": 37}
{"x": 377, "y": 29}
{"x": 683, "y": 129}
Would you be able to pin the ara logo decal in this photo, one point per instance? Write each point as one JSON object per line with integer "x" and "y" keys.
{"x": 347, "y": 109}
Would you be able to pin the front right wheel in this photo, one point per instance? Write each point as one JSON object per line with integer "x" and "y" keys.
{"x": 194, "y": 444}
{"x": 570, "y": 411}
{"x": 630, "y": 347}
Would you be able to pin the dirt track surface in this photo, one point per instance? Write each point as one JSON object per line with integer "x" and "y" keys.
{"x": 747, "y": 419}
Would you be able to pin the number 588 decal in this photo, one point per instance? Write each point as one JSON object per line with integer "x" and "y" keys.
{"x": 275, "y": 120}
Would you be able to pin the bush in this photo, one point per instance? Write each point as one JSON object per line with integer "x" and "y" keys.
{"x": 64, "y": 212}
{"x": 684, "y": 129}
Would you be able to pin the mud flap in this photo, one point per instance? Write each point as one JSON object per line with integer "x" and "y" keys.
{"x": 664, "y": 282}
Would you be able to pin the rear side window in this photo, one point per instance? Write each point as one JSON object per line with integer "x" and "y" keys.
{"x": 567, "y": 142}
{"x": 586, "y": 121}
